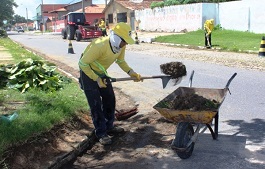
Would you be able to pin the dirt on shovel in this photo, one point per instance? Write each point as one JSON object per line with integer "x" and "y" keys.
{"x": 176, "y": 70}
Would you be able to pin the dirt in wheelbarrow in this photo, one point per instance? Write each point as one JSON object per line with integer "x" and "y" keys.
{"x": 191, "y": 102}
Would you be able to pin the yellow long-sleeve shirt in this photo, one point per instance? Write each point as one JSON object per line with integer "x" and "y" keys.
{"x": 208, "y": 26}
{"x": 101, "y": 24}
{"x": 98, "y": 57}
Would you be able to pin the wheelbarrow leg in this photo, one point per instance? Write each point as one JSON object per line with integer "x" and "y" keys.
{"x": 215, "y": 132}
{"x": 216, "y": 119}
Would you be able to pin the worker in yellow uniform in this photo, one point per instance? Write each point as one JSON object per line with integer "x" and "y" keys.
{"x": 102, "y": 26}
{"x": 208, "y": 28}
{"x": 96, "y": 83}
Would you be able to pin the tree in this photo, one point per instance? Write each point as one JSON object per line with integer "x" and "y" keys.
{"x": 19, "y": 19}
{"x": 6, "y": 10}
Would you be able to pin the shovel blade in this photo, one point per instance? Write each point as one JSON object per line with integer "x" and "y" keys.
{"x": 165, "y": 80}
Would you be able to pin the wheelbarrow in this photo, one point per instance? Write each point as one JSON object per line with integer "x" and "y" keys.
{"x": 191, "y": 118}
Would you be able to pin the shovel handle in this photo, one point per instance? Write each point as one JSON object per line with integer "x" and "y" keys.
{"x": 132, "y": 78}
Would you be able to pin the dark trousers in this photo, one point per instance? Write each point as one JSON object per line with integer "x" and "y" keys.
{"x": 210, "y": 40}
{"x": 101, "y": 102}
{"x": 104, "y": 32}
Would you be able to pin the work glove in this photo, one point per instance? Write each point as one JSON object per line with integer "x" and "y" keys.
{"x": 135, "y": 75}
{"x": 101, "y": 83}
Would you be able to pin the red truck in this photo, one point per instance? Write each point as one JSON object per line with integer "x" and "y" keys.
{"x": 77, "y": 28}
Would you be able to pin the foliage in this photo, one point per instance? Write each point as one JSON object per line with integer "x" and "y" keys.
{"x": 157, "y": 4}
{"x": 19, "y": 19}
{"x": 7, "y": 12}
{"x": 32, "y": 74}
{"x": 4, "y": 73}
{"x": 217, "y": 27}
{"x": 179, "y": 2}
{"x": 171, "y": 2}
{"x": 3, "y": 33}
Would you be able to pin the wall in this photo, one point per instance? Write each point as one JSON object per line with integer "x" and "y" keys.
{"x": 90, "y": 17}
{"x": 77, "y": 6}
{"x": 56, "y": 26}
{"x": 245, "y": 15}
{"x": 170, "y": 18}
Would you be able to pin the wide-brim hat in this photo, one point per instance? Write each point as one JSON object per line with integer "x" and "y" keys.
{"x": 124, "y": 31}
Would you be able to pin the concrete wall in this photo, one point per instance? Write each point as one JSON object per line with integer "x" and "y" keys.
{"x": 245, "y": 15}
{"x": 170, "y": 18}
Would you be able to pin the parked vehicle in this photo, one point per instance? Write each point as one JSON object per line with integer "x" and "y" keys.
{"x": 77, "y": 28}
{"x": 20, "y": 29}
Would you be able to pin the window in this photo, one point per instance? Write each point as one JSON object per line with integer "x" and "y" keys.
{"x": 122, "y": 17}
{"x": 110, "y": 18}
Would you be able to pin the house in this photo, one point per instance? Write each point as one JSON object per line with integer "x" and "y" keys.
{"x": 123, "y": 11}
{"x": 53, "y": 17}
{"x": 93, "y": 12}
{"x": 43, "y": 14}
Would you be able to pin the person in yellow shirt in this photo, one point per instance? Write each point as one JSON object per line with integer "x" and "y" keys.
{"x": 208, "y": 28}
{"x": 96, "y": 83}
{"x": 102, "y": 26}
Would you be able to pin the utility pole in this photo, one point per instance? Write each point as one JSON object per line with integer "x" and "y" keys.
{"x": 43, "y": 26}
{"x": 27, "y": 19}
{"x": 83, "y": 8}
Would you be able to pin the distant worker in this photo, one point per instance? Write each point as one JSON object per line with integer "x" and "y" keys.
{"x": 102, "y": 26}
{"x": 208, "y": 28}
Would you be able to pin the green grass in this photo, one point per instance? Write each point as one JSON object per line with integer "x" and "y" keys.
{"x": 38, "y": 111}
{"x": 223, "y": 39}
{"x": 17, "y": 51}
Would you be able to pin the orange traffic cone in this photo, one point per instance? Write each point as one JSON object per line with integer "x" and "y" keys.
{"x": 70, "y": 48}
{"x": 262, "y": 47}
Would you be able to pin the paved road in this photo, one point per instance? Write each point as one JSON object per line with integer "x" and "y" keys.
{"x": 242, "y": 125}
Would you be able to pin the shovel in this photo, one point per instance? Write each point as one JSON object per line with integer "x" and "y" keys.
{"x": 208, "y": 42}
{"x": 165, "y": 79}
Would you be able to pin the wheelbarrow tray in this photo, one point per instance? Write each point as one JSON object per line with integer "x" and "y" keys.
{"x": 192, "y": 116}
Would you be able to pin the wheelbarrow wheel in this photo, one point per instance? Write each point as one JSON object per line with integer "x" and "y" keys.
{"x": 184, "y": 132}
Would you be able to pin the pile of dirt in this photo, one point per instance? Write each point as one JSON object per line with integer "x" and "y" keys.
{"x": 194, "y": 102}
{"x": 174, "y": 69}
{"x": 191, "y": 102}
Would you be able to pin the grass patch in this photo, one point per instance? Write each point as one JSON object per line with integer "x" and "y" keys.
{"x": 224, "y": 39}
{"x": 38, "y": 111}
{"x": 17, "y": 51}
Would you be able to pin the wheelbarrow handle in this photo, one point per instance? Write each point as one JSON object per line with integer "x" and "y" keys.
{"x": 229, "y": 81}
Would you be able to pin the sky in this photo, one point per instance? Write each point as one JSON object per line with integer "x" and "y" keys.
{"x": 29, "y": 6}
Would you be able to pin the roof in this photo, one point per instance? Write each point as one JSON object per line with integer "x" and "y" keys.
{"x": 52, "y": 7}
{"x": 58, "y": 10}
{"x": 136, "y": 4}
{"x": 93, "y": 8}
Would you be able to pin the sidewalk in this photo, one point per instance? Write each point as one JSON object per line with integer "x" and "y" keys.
{"x": 5, "y": 55}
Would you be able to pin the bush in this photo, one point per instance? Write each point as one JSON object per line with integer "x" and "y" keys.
{"x": 3, "y": 33}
